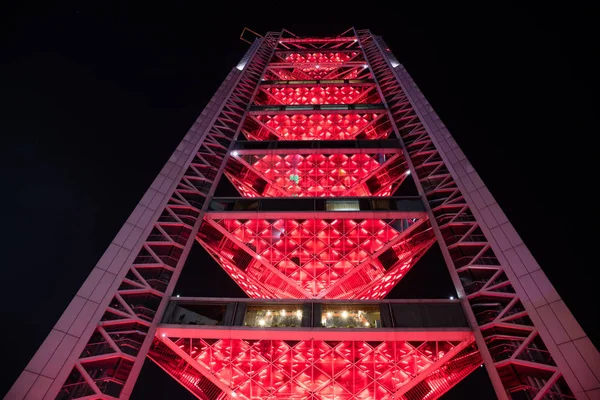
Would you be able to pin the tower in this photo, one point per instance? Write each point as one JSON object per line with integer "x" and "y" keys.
{"x": 333, "y": 126}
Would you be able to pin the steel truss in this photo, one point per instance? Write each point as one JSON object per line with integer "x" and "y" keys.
{"x": 283, "y": 257}
{"x": 318, "y": 126}
{"x": 299, "y": 89}
{"x": 107, "y": 360}
{"x": 108, "y": 364}
{"x": 303, "y": 65}
{"x": 317, "y": 369}
{"x": 318, "y": 94}
{"x": 346, "y": 40}
{"x": 507, "y": 336}
{"x": 306, "y": 173}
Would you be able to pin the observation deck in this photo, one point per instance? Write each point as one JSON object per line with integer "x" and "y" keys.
{"x": 295, "y": 348}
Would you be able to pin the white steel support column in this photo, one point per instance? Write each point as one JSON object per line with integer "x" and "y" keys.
{"x": 485, "y": 355}
{"x": 575, "y": 356}
{"x": 209, "y": 140}
{"x": 97, "y": 348}
{"x": 569, "y": 345}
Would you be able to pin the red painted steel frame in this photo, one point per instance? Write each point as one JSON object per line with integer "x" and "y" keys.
{"x": 334, "y": 90}
{"x": 517, "y": 358}
{"x": 316, "y": 258}
{"x": 318, "y": 126}
{"x": 97, "y": 348}
{"x": 318, "y": 94}
{"x": 316, "y": 174}
{"x": 254, "y": 369}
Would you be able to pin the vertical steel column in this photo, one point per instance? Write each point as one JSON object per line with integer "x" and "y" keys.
{"x": 487, "y": 359}
{"x": 485, "y": 256}
{"x": 88, "y": 352}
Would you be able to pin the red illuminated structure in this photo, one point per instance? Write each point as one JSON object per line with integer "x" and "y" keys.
{"x": 317, "y": 135}
{"x": 280, "y": 363}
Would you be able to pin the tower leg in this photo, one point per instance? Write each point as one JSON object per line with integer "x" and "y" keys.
{"x": 528, "y": 338}
{"x": 99, "y": 344}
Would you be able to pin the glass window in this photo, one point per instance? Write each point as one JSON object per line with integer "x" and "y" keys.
{"x": 334, "y": 107}
{"x": 350, "y": 316}
{"x": 273, "y": 315}
{"x": 342, "y": 205}
{"x": 300, "y": 107}
{"x": 382, "y": 204}
{"x": 199, "y": 314}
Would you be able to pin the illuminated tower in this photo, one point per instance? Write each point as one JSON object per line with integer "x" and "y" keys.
{"x": 317, "y": 134}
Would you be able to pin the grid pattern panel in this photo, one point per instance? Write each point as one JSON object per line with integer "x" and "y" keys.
{"x": 317, "y": 175}
{"x": 319, "y": 57}
{"x": 329, "y": 94}
{"x": 107, "y": 360}
{"x": 510, "y": 335}
{"x": 318, "y": 126}
{"x": 317, "y": 258}
{"x": 327, "y": 370}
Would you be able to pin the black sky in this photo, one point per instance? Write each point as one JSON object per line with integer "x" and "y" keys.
{"x": 95, "y": 99}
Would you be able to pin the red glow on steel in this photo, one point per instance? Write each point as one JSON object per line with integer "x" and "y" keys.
{"x": 325, "y": 72}
{"x": 293, "y": 258}
{"x": 315, "y": 175}
{"x": 311, "y": 73}
{"x": 321, "y": 370}
{"x": 314, "y": 95}
{"x": 318, "y": 126}
{"x": 305, "y": 258}
{"x": 329, "y": 57}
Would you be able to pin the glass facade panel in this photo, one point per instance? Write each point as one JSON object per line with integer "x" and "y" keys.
{"x": 350, "y": 316}
{"x": 341, "y": 205}
{"x": 273, "y": 315}
{"x": 199, "y": 314}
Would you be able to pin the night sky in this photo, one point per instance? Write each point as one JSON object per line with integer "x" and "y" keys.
{"x": 95, "y": 99}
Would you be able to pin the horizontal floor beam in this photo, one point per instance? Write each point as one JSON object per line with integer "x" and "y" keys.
{"x": 374, "y": 334}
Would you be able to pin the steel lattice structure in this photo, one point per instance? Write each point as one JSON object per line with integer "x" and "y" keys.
{"x": 322, "y": 258}
{"x": 316, "y": 134}
{"x": 329, "y": 369}
{"x": 317, "y": 174}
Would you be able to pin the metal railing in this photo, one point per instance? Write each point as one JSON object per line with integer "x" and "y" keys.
{"x": 321, "y": 82}
{"x": 408, "y": 203}
{"x": 75, "y": 391}
{"x": 318, "y": 107}
{"x": 317, "y": 144}
{"x": 526, "y": 392}
{"x": 390, "y": 314}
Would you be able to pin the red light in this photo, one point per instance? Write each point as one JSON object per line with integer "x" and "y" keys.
{"x": 306, "y": 258}
{"x": 316, "y": 175}
{"x": 329, "y": 57}
{"x": 318, "y": 126}
{"x": 323, "y": 370}
{"x": 315, "y": 95}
